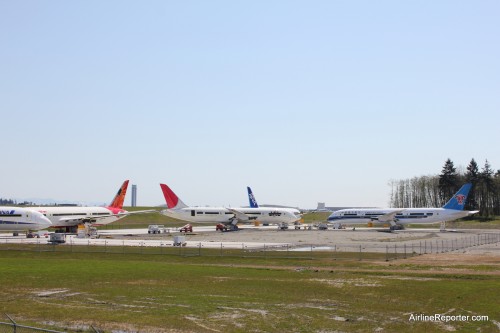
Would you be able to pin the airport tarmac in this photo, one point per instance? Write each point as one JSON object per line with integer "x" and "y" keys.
{"x": 252, "y": 237}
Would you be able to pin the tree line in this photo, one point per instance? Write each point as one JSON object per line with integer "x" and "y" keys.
{"x": 436, "y": 190}
{"x": 10, "y": 202}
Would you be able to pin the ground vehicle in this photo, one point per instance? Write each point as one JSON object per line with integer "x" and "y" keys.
{"x": 322, "y": 226}
{"x": 155, "y": 229}
{"x": 282, "y": 226}
{"x": 179, "y": 241}
{"x": 222, "y": 227}
{"x": 186, "y": 228}
{"x": 57, "y": 238}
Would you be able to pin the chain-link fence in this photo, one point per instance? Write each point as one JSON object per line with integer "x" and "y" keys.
{"x": 11, "y": 326}
{"x": 388, "y": 250}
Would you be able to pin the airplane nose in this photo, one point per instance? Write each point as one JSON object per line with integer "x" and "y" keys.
{"x": 43, "y": 221}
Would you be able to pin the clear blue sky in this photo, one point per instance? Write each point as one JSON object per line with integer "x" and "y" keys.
{"x": 304, "y": 101}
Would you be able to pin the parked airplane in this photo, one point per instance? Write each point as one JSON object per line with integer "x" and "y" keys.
{"x": 69, "y": 217}
{"x": 228, "y": 216}
{"x": 22, "y": 219}
{"x": 397, "y": 217}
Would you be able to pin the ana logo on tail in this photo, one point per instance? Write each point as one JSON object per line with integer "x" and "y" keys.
{"x": 251, "y": 199}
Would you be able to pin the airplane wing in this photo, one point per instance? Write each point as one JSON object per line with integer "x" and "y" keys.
{"x": 241, "y": 217}
{"x": 389, "y": 217}
{"x": 95, "y": 218}
{"x": 472, "y": 212}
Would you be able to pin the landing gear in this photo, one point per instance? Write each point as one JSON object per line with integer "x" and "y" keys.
{"x": 442, "y": 228}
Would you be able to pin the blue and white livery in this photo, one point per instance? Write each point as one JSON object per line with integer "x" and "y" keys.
{"x": 397, "y": 217}
{"x": 251, "y": 198}
{"x": 22, "y": 219}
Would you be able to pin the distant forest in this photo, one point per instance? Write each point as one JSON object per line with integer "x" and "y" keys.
{"x": 436, "y": 190}
{"x": 10, "y": 202}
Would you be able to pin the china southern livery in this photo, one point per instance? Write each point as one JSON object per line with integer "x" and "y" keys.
{"x": 69, "y": 217}
{"x": 22, "y": 219}
{"x": 228, "y": 216}
{"x": 397, "y": 217}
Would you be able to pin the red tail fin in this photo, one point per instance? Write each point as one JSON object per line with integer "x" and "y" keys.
{"x": 172, "y": 200}
{"x": 120, "y": 196}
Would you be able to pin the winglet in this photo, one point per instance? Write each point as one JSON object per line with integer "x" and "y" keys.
{"x": 172, "y": 200}
{"x": 251, "y": 198}
{"x": 120, "y": 196}
{"x": 457, "y": 202}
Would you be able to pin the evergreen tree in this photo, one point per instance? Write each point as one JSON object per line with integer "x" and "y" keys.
{"x": 488, "y": 191}
{"x": 496, "y": 203}
{"x": 472, "y": 176}
{"x": 448, "y": 181}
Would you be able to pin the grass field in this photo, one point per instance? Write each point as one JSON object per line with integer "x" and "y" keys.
{"x": 140, "y": 293}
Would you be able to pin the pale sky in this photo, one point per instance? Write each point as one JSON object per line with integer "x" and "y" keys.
{"x": 304, "y": 101}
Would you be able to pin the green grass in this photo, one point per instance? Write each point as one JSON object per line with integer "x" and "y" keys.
{"x": 135, "y": 292}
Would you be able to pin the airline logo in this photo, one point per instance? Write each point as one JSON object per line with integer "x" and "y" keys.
{"x": 461, "y": 199}
{"x": 7, "y": 212}
{"x": 252, "y": 199}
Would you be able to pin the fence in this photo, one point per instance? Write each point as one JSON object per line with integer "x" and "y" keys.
{"x": 14, "y": 327}
{"x": 364, "y": 251}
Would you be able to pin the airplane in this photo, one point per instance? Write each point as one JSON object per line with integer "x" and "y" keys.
{"x": 254, "y": 204}
{"x": 176, "y": 208}
{"x": 22, "y": 219}
{"x": 69, "y": 217}
{"x": 398, "y": 217}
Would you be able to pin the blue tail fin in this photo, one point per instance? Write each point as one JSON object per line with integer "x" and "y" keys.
{"x": 457, "y": 202}
{"x": 251, "y": 198}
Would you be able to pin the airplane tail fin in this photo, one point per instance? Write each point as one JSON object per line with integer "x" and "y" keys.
{"x": 120, "y": 196}
{"x": 251, "y": 199}
{"x": 172, "y": 200}
{"x": 457, "y": 202}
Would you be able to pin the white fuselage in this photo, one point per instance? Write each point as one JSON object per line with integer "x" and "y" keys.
{"x": 222, "y": 215}
{"x": 22, "y": 219}
{"x": 406, "y": 216}
{"x": 68, "y": 216}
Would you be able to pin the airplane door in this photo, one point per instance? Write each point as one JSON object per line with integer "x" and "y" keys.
{"x": 193, "y": 213}
{"x": 28, "y": 216}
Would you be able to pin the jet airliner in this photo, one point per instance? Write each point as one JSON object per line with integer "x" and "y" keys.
{"x": 176, "y": 208}
{"x": 397, "y": 217}
{"x": 22, "y": 219}
{"x": 69, "y": 217}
